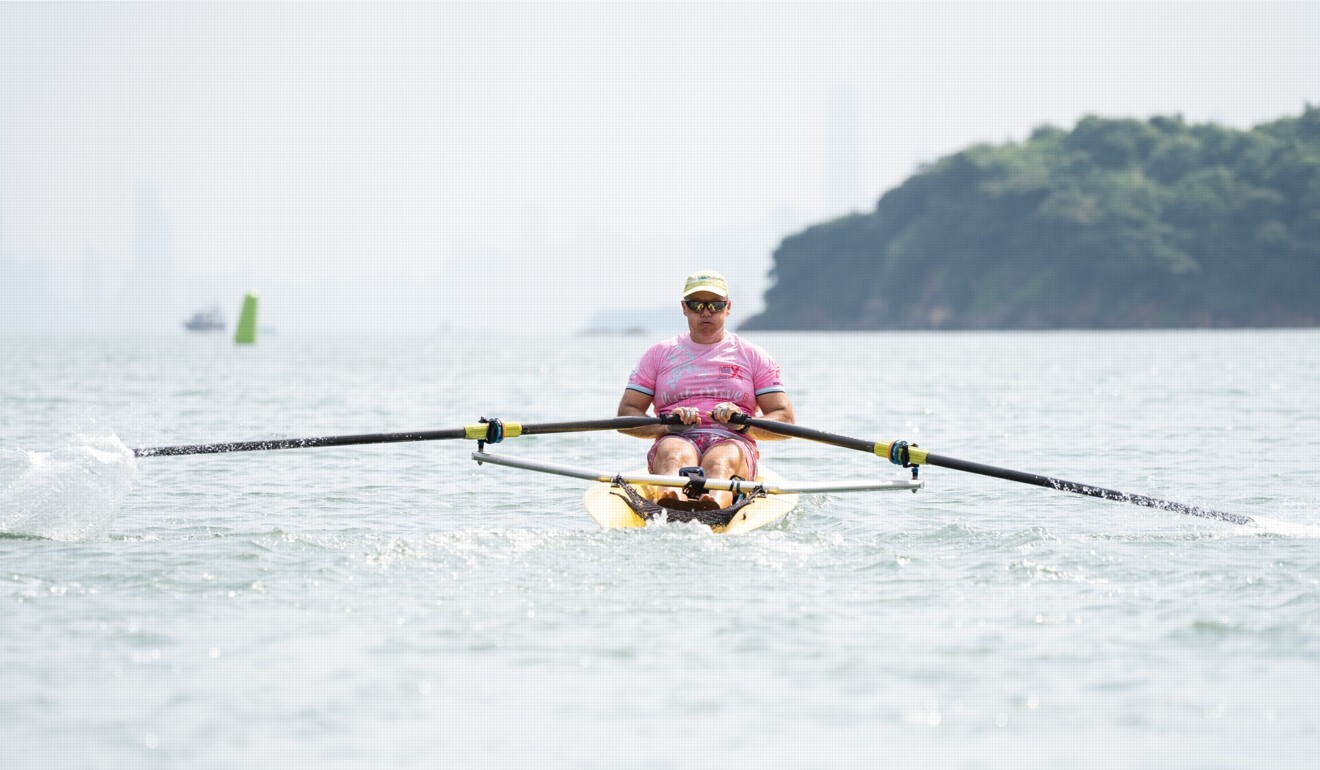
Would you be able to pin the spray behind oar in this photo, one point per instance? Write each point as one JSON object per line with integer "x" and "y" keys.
{"x": 71, "y": 493}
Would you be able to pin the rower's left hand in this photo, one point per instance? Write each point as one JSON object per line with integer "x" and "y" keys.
{"x": 722, "y": 413}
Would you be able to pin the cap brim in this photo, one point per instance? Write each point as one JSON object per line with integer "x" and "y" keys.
{"x": 712, "y": 289}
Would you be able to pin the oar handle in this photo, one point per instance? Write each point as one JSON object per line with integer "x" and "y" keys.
{"x": 797, "y": 431}
{"x": 482, "y": 431}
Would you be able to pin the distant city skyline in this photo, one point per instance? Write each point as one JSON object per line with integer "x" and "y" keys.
{"x": 100, "y": 296}
{"x": 425, "y": 166}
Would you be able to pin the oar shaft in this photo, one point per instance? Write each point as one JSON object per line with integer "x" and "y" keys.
{"x": 299, "y": 443}
{"x": 475, "y": 432}
{"x": 581, "y": 426}
{"x": 797, "y": 431}
{"x": 1063, "y": 485}
{"x": 919, "y": 457}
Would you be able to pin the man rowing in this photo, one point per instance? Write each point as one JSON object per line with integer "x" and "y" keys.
{"x": 705, "y": 378}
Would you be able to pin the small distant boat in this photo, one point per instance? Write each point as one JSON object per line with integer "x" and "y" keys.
{"x": 206, "y": 321}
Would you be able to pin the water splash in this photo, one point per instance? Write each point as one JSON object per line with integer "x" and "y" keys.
{"x": 72, "y": 493}
{"x": 1286, "y": 528}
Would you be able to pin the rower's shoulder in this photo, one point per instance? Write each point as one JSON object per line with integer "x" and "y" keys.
{"x": 748, "y": 346}
{"x": 665, "y": 345}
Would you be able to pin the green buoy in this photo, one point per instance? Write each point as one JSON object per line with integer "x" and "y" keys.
{"x": 246, "y": 333}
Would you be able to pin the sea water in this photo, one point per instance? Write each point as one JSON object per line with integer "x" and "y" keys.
{"x": 399, "y": 606}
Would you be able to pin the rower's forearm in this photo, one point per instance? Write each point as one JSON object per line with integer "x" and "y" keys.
{"x": 648, "y": 431}
{"x": 779, "y": 415}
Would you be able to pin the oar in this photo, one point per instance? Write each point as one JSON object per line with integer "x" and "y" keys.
{"x": 491, "y": 431}
{"x": 905, "y": 454}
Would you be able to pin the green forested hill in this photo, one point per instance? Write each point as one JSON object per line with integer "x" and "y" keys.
{"x": 1114, "y": 224}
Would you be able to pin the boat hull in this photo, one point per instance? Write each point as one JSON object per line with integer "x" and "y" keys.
{"x": 608, "y": 507}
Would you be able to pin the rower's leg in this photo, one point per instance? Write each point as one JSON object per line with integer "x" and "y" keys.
{"x": 724, "y": 461}
{"x": 671, "y": 454}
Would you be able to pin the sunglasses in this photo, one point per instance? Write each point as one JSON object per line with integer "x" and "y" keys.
{"x": 697, "y": 306}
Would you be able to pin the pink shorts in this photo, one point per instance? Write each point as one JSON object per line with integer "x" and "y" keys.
{"x": 702, "y": 440}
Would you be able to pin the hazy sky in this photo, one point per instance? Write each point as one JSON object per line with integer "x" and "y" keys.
{"x": 404, "y": 166}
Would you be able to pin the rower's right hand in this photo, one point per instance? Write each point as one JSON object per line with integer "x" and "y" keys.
{"x": 690, "y": 416}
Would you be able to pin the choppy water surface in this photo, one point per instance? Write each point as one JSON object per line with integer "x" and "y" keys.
{"x": 399, "y": 606}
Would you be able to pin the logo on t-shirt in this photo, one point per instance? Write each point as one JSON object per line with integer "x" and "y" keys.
{"x": 730, "y": 372}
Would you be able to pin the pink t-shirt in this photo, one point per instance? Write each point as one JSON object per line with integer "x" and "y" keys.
{"x": 679, "y": 372}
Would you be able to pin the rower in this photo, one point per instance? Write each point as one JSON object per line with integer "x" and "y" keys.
{"x": 705, "y": 378}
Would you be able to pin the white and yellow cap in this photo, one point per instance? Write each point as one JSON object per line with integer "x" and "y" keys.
{"x": 706, "y": 280}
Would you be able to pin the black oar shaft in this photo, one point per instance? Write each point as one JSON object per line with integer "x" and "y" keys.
{"x": 474, "y": 432}
{"x": 299, "y": 443}
{"x": 922, "y": 457}
{"x": 797, "y": 431}
{"x": 1062, "y": 485}
{"x": 582, "y": 426}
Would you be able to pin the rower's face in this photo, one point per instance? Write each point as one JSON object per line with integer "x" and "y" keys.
{"x": 702, "y": 315}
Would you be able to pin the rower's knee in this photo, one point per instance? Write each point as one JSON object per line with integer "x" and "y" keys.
{"x": 723, "y": 464}
{"x": 673, "y": 454}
